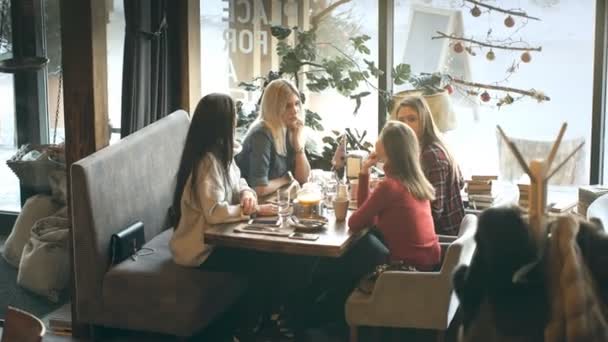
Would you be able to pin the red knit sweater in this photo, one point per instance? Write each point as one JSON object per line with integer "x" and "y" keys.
{"x": 405, "y": 222}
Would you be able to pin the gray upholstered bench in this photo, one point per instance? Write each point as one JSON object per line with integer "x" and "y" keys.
{"x": 133, "y": 180}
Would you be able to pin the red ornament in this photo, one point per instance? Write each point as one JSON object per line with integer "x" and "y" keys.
{"x": 485, "y": 97}
{"x": 475, "y": 11}
{"x": 449, "y": 89}
{"x": 526, "y": 57}
{"x": 490, "y": 55}
{"x": 458, "y": 48}
{"x": 509, "y": 21}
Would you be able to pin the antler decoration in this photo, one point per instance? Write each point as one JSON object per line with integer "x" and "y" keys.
{"x": 539, "y": 172}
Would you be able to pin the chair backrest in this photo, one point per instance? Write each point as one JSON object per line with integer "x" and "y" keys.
{"x": 573, "y": 172}
{"x": 461, "y": 250}
{"x": 129, "y": 181}
{"x": 599, "y": 209}
{"x": 21, "y": 326}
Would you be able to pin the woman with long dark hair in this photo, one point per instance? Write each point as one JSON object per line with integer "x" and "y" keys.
{"x": 209, "y": 190}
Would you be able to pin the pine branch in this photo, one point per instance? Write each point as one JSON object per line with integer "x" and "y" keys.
{"x": 502, "y": 10}
{"x": 494, "y": 46}
{"x": 532, "y": 93}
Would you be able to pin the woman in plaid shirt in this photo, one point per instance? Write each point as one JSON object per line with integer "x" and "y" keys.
{"x": 438, "y": 165}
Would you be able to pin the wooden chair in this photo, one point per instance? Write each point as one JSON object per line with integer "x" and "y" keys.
{"x": 21, "y": 326}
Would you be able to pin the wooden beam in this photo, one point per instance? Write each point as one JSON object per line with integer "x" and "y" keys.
{"x": 84, "y": 63}
{"x": 385, "y": 56}
{"x": 190, "y": 53}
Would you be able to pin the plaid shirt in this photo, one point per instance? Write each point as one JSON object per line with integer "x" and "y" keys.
{"x": 447, "y": 208}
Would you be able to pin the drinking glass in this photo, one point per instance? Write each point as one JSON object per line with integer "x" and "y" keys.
{"x": 331, "y": 189}
{"x": 283, "y": 204}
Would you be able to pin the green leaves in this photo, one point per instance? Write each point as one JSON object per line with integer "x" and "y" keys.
{"x": 371, "y": 66}
{"x": 280, "y": 32}
{"x": 249, "y": 86}
{"x": 313, "y": 120}
{"x": 359, "y": 43}
{"x": 401, "y": 74}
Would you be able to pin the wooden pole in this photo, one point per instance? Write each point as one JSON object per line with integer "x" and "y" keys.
{"x": 538, "y": 197}
{"x": 84, "y": 63}
{"x": 189, "y": 52}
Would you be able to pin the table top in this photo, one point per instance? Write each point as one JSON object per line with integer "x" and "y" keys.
{"x": 333, "y": 240}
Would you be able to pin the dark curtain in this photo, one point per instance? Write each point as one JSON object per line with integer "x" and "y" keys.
{"x": 150, "y": 88}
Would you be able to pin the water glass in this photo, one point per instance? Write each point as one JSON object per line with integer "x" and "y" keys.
{"x": 283, "y": 204}
{"x": 331, "y": 189}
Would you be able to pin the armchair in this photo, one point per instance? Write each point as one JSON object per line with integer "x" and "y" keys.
{"x": 422, "y": 300}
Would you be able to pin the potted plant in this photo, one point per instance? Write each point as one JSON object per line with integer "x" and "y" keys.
{"x": 436, "y": 90}
{"x": 342, "y": 71}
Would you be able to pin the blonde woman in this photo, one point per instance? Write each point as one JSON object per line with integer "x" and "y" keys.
{"x": 399, "y": 206}
{"x": 438, "y": 165}
{"x": 274, "y": 145}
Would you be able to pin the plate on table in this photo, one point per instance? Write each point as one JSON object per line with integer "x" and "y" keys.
{"x": 308, "y": 223}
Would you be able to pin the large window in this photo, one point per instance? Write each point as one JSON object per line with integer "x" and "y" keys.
{"x": 237, "y": 46}
{"x": 562, "y": 71}
{"x": 9, "y": 183}
{"x": 54, "y": 76}
{"x": 115, "y": 33}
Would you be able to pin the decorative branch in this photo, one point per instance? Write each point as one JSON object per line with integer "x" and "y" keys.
{"x": 314, "y": 20}
{"x": 502, "y": 10}
{"x": 494, "y": 46}
{"x": 352, "y": 60}
{"x": 532, "y": 93}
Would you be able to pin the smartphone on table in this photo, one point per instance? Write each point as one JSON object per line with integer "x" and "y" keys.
{"x": 265, "y": 221}
{"x": 303, "y": 236}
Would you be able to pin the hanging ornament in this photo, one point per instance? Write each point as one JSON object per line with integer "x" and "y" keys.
{"x": 458, "y": 48}
{"x": 449, "y": 88}
{"x": 509, "y": 21}
{"x": 526, "y": 57}
{"x": 475, "y": 11}
{"x": 490, "y": 55}
{"x": 485, "y": 97}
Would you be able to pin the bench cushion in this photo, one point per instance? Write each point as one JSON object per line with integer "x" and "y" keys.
{"x": 189, "y": 297}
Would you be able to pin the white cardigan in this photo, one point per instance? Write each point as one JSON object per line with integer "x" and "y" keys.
{"x": 218, "y": 201}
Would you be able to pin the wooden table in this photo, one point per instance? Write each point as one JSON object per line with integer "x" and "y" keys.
{"x": 333, "y": 241}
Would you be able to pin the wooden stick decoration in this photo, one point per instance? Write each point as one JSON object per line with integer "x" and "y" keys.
{"x": 539, "y": 172}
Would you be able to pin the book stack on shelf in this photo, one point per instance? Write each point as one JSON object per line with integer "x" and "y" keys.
{"x": 524, "y": 195}
{"x": 587, "y": 194}
{"x": 480, "y": 192}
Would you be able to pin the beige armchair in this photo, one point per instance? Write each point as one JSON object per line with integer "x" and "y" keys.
{"x": 422, "y": 300}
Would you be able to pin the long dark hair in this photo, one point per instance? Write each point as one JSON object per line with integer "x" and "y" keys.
{"x": 211, "y": 131}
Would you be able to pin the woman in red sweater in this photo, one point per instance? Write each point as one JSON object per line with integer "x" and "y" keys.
{"x": 399, "y": 206}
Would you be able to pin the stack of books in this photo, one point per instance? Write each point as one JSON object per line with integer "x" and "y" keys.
{"x": 587, "y": 194}
{"x": 524, "y": 195}
{"x": 479, "y": 192}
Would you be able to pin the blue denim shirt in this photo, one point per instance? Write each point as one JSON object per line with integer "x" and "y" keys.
{"x": 259, "y": 161}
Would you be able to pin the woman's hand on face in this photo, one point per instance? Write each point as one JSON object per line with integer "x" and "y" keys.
{"x": 296, "y": 129}
{"x": 248, "y": 202}
{"x": 370, "y": 161}
{"x": 267, "y": 209}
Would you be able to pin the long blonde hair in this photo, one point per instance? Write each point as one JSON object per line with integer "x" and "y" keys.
{"x": 274, "y": 102}
{"x": 403, "y": 154}
{"x": 430, "y": 132}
